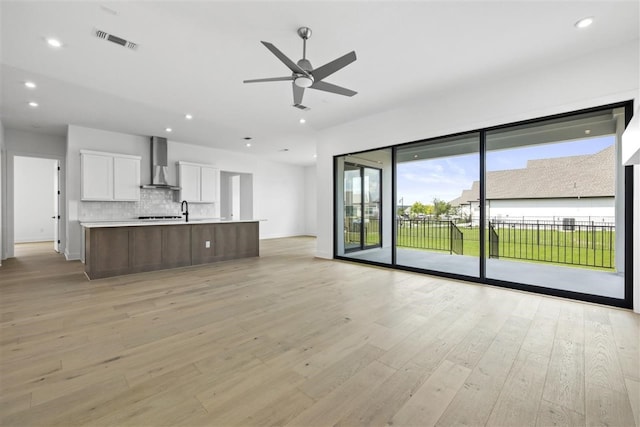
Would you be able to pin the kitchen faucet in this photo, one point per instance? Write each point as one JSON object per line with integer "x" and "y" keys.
{"x": 184, "y": 207}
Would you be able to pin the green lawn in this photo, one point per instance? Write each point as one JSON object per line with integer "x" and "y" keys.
{"x": 594, "y": 250}
{"x": 579, "y": 248}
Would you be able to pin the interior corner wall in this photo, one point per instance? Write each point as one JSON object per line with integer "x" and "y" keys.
{"x": 3, "y": 193}
{"x": 310, "y": 200}
{"x": 603, "y": 77}
{"x": 636, "y": 238}
{"x": 29, "y": 144}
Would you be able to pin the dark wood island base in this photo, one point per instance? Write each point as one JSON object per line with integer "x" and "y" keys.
{"x": 117, "y": 250}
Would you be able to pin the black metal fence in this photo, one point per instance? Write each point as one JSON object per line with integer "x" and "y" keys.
{"x": 565, "y": 241}
{"x": 430, "y": 234}
{"x": 494, "y": 242}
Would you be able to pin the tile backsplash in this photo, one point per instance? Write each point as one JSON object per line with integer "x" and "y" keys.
{"x": 152, "y": 202}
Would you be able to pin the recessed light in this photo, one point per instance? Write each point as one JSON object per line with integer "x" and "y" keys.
{"x": 303, "y": 121}
{"x": 33, "y": 104}
{"x": 587, "y": 131}
{"x": 30, "y": 85}
{"x": 584, "y": 22}
{"x": 315, "y": 156}
{"x": 168, "y": 130}
{"x": 188, "y": 116}
{"x": 415, "y": 156}
{"x": 54, "y": 42}
{"x": 248, "y": 144}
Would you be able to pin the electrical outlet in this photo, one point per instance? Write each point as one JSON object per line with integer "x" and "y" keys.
{"x": 207, "y": 244}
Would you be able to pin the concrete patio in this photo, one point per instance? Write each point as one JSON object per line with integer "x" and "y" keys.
{"x": 557, "y": 276}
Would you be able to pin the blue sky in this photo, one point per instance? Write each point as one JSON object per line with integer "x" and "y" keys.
{"x": 445, "y": 178}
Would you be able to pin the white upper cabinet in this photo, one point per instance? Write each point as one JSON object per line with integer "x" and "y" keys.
{"x": 209, "y": 178}
{"x": 109, "y": 177}
{"x": 198, "y": 183}
{"x": 126, "y": 178}
{"x": 189, "y": 181}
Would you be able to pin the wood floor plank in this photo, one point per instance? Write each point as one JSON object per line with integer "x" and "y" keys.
{"x": 472, "y": 405}
{"x": 519, "y": 400}
{"x": 626, "y": 330}
{"x": 633, "y": 390}
{"x": 605, "y": 407}
{"x": 426, "y": 406}
{"x": 337, "y": 404}
{"x": 339, "y": 372}
{"x": 601, "y": 357}
{"x": 240, "y": 342}
{"x": 566, "y": 376}
{"x": 388, "y": 398}
{"x": 540, "y": 337}
{"x": 550, "y": 414}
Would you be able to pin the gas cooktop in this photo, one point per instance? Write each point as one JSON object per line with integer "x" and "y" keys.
{"x": 160, "y": 217}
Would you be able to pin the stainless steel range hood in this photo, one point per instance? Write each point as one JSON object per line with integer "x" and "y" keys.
{"x": 159, "y": 165}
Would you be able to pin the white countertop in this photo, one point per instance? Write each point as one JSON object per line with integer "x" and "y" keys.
{"x": 140, "y": 222}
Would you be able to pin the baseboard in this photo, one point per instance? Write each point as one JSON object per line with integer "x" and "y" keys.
{"x": 37, "y": 239}
{"x": 72, "y": 256}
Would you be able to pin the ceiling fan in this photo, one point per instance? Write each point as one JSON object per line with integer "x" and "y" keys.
{"x": 304, "y": 75}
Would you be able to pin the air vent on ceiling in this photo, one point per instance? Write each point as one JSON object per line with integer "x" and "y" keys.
{"x": 115, "y": 39}
{"x": 302, "y": 107}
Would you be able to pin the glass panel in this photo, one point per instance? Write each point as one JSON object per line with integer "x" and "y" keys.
{"x": 551, "y": 205}
{"x": 437, "y": 221}
{"x": 363, "y": 227}
{"x": 352, "y": 207}
{"x": 372, "y": 207}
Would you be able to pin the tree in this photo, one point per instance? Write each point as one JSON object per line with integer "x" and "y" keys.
{"x": 418, "y": 208}
{"x": 440, "y": 207}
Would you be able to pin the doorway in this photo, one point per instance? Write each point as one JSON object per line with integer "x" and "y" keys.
{"x": 36, "y": 201}
{"x": 236, "y": 195}
{"x": 362, "y": 196}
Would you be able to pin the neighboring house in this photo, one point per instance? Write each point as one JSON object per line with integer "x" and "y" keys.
{"x": 579, "y": 187}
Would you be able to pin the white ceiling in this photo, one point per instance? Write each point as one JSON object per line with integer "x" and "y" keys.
{"x": 192, "y": 57}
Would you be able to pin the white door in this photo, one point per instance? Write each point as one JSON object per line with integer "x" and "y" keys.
{"x": 56, "y": 206}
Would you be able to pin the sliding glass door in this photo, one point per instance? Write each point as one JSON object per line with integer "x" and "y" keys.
{"x": 553, "y": 209}
{"x": 543, "y": 205}
{"x": 437, "y": 226}
{"x": 362, "y": 207}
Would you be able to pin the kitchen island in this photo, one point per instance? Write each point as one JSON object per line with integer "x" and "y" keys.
{"x": 116, "y": 248}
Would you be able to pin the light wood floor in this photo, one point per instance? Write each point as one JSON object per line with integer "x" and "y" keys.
{"x": 286, "y": 339}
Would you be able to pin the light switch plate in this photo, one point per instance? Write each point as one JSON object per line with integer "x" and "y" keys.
{"x": 207, "y": 243}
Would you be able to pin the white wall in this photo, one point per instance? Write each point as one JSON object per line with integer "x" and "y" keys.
{"x": 33, "y": 199}
{"x": 3, "y": 192}
{"x": 29, "y": 144}
{"x": 636, "y": 239}
{"x": 278, "y": 189}
{"x": 604, "y": 77}
{"x": 598, "y": 209}
{"x": 311, "y": 198}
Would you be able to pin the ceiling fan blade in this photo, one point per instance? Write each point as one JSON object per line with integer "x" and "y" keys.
{"x": 282, "y": 57}
{"x": 333, "y": 66}
{"x": 298, "y": 92}
{"x": 271, "y": 79}
{"x": 328, "y": 87}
